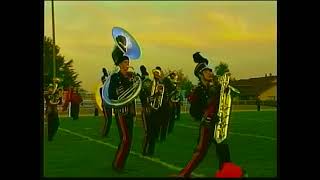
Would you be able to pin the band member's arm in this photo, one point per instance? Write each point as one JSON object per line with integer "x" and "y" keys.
{"x": 113, "y": 87}
{"x": 212, "y": 106}
{"x": 195, "y": 108}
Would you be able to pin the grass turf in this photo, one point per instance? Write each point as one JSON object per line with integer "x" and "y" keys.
{"x": 78, "y": 150}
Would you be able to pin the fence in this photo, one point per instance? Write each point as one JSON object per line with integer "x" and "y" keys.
{"x": 272, "y": 103}
{"x": 88, "y": 106}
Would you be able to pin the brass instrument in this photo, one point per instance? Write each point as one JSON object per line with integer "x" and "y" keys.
{"x": 157, "y": 96}
{"x": 98, "y": 96}
{"x": 56, "y": 95}
{"x": 130, "y": 48}
{"x": 99, "y": 88}
{"x": 175, "y": 95}
{"x": 226, "y": 93}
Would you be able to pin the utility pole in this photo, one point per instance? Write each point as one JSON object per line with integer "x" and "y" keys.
{"x": 54, "y": 42}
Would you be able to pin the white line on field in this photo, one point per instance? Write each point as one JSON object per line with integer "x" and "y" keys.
{"x": 170, "y": 166}
{"x": 138, "y": 113}
{"x": 240, "y": 134}
{"x": 257, "y": 120}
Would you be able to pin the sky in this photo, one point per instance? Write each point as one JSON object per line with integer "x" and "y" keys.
{"x": 242, "y": 34}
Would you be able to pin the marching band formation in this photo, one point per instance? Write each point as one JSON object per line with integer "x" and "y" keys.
{"x": 160, "y": 99}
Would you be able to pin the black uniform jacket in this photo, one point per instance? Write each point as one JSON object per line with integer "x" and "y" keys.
{"x": 203, "y": 99}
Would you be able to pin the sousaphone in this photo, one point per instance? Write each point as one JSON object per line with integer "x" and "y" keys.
{"x": 130, "y": 48}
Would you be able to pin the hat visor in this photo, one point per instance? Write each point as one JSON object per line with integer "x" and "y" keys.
{"x": 156, "y": 70}
{"x": 207, "y": 67}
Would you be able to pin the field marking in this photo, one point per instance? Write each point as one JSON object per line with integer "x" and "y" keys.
{"x": 240, "y": 134}
{"x": 252, "y": 119}
{"x": 170, "y": 166}
{"x": 250, "y": 110}
{"x": 187, "y": 112}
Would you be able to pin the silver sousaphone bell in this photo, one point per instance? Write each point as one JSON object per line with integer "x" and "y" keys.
{"x": 130, "y": 48}
{"x": 128, "y": 45}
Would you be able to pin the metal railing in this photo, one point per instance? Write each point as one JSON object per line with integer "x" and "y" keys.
{"x": 88, "y": 106}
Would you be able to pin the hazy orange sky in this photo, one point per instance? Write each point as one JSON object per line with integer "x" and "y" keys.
{"x": 242, "y": 34}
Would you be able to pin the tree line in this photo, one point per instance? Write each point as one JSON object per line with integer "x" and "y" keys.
{"x": 66, "y": 72}
{"x": 64, "y": 67}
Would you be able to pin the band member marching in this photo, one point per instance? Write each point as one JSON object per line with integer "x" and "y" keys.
{"x": 107, "y": 110}
{"x": 74, "y": 99}
{"x": 53, "y": 98}
{"x": 174, "y": 101}
{"x": 160, "y": 104}
{"x": 120, "y": 90}
{"x": 149, "y": 125}
{"x": 204, "y": 101}
{"x": 124, "y": 116}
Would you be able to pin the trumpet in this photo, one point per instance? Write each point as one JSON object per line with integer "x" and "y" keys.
{"x": 224, "y": 112}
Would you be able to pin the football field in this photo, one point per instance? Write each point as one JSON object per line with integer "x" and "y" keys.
{"x": 78, "y": 150}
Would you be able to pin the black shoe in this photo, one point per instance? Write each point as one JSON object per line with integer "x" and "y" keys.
{"x": 117, "y": 169}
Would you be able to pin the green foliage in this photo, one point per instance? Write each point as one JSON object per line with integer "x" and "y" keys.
{"x": 221, "y": 69}
{"x": 64, "y": 68}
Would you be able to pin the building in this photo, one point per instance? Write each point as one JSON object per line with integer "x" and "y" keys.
{"x": 265, "y": 87}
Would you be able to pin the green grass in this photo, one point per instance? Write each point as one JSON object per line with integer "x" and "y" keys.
{"x": 252, "y": 141}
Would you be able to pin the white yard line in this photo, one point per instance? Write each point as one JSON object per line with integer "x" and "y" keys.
{"x": 240, "y": 134}
{"x": 170, "y": 166}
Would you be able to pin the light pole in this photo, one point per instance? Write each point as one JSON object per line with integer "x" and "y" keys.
{"x": 54, "y": 41}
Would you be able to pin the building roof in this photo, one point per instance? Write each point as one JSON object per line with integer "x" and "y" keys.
{"x": 254, "y": 86}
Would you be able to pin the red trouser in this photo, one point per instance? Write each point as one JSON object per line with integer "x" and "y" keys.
{"x": 204, "y": 141}
{"x": 125, "y": 128}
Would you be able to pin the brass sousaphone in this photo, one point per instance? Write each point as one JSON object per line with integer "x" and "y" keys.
{"x": 130, "y": 48}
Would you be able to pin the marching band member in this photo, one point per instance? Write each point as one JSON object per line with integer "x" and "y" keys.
{"x": 107, "y": 111}
{"x": 74, "y": 98}
{"x": 120, "y": 82}
{"x": 174, "y": 101}
{"x": 161, "y": 115}
{"x": 52, "y": 112}
{"x": 149, "y": 141}
{"x": 204, "y": 102}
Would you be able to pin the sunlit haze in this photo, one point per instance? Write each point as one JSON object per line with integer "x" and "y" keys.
{"x": 242, "y": 34}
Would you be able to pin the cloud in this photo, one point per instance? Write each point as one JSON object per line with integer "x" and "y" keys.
{"x": 168, "y": 33}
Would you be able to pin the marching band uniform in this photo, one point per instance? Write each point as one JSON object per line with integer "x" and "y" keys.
{"x": 149, "y": 141}
{"x": 124, "y": 115}
{"x": 107, "y": 111}
{"x": 52, "y": 114}
{"x": 161, "y": 115}
{"x": 206, "y": 112}
{"x": 173, "y": 106}
{"x": 75, "y": 99}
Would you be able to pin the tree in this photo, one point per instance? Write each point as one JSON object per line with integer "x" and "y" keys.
{"x": 64, "y": 68}
{"x": 221, "y": 69}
